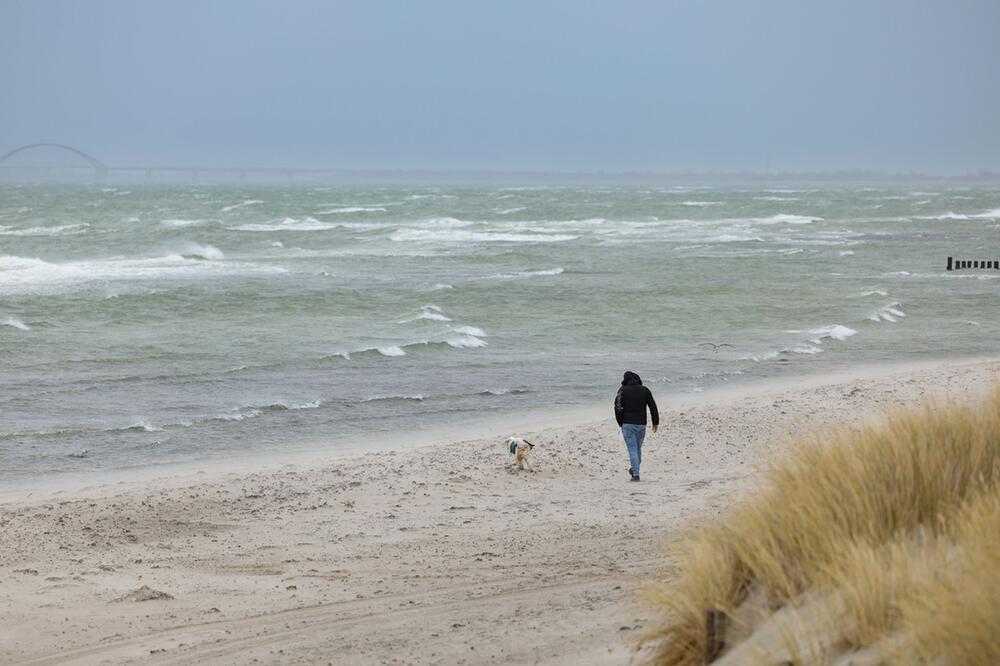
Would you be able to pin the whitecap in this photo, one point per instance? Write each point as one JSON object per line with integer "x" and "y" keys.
{"x": 391, "y": 351}
{"x": 504, "y": 391}
{"x": 14, "y": 322}
{"x": 248, "y": 202}
{"x": 181, "y": 223}
{"x": 699, "y": 204}
{"x": 465, "y": 236}
{"x": 63, "y": 230}
{"x": 558, "y": 270}
{"x": 782, "y": 218}
{"x": 890, "y": 313}
{"x": 993, "y": 214}
{"x": 289, "y": 224}
{"x": 846, "y": 253}
{"x": 32, "y": 275}
{"x": 196, "y": 251}
{"x": 469, "y": 330}
{"x": 379, "y": 397}
{"x": 465, "y": 342}
{"x": 428, "y": 313}
{"x": 834, "y": 332}
{"x": 508, "y": 211}
{"x": 352, "y": 209}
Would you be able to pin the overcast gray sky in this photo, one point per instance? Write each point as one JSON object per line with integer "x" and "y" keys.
{"x": 546, "y": 85}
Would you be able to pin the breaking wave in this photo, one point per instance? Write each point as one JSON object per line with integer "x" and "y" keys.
{"x": 352, "y": 209}
{"x": 245, "y": 204}
{"x": 289, "y": 224}
{"x": 558, "y": 270}
{"x": 891, "y": 313}
{"x": 63, "y": 230}
{"x": 13, "y": 322}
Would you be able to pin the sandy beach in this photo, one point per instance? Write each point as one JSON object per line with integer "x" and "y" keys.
{"x": 440, "y": 554}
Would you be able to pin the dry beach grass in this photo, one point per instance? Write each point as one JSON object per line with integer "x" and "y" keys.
{"x": 873, "y": 543}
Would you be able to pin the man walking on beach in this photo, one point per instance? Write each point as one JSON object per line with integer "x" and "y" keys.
{"x": 630, "y": 411}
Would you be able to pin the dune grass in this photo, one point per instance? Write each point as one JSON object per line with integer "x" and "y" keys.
{"x": 896, "y": 526}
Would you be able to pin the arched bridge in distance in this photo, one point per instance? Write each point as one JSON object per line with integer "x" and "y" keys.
{"x": 102, "y": 170}
{"x": 99, "y": 167}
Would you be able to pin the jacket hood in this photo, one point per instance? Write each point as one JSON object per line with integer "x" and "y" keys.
{"x": 631, "y": 379}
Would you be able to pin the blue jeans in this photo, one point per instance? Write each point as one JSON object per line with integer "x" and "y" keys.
{"x": 634, "y": 434}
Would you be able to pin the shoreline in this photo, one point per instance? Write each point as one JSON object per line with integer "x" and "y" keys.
{"x": 102, "y": 483}
{"x": 443, "y": 554}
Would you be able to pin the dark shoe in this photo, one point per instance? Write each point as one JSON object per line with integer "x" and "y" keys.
{"x": 635, "y": 478}
{"x": 630, "y": 472}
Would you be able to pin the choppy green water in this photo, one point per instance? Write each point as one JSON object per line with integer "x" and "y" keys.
{"x": 168, "y": 324}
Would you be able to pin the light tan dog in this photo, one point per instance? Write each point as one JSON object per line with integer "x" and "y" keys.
{"x": 521, "y": 448}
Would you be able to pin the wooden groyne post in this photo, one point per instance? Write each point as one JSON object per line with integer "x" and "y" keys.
{"x": 959, "y": 264}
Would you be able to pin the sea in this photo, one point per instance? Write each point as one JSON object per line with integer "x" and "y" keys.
{"x": 146, "y": 326}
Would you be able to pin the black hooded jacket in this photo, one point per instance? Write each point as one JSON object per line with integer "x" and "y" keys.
{"x": 632, "y": 400}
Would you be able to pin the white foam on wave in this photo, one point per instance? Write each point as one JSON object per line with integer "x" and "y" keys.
{"x": 467, "y": 236}
{"x": 62, "y": 230}
{"x": 699, "y": 204}
{"x": 289, "y": 224}
{"x": 465, "y": 342}
{"x": 245, "y": 204}
{"x": 874, "y": 292}
{"x": 378, "y": 397}
{"x": 469, "y": 330}
{"x": 782, "y": 218}
{"x": 14, "y": 322}
{"x": 196, "y": 251}
{"x": 352, "y": 209}
{"x": 833, "y": 332}
{"x": 33, "y": 275}
{"x": 776, "y": 198}
{"x": 890, "y": 313}
{"x": 993, "y": 214}
{"x": 846, "y": 253}
{"x": 391, "y": 351}
{"x": 430, "y": 312}
{"x": 806, "y": 348}
{"x": 441, "y": 223}
{"x": 441, "y": 285}
{"x": 508, "y": 211}
{"x": 177, "y": 223}
{"x": 812, "y": 345}
{"x": 558, "y": 270}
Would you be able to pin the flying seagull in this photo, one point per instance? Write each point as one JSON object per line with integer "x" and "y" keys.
{"x": 716, "y": 347}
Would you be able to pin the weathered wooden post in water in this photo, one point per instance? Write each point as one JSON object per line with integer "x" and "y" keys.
{"x": 949, "y": 263}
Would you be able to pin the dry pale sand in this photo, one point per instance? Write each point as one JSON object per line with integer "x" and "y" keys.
{"x": 435, "y": 555}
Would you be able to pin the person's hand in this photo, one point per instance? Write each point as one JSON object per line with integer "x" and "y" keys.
{"x": 656, "y": 427}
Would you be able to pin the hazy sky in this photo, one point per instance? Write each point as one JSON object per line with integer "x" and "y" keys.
{"x": 471, "y": 84}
